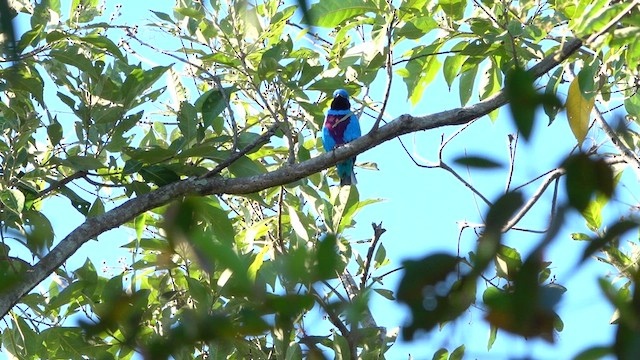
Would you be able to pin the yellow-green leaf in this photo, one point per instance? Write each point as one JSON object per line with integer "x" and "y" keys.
{"x": 140, "y": 223}
{"x": 578, "y": 111}
{"x": 257, "y": 264}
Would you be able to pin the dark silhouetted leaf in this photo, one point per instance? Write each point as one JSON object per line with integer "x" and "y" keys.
{"x": 477, "y": 162}
{"x": 584, "y": 177}
{"x": 430, "y": 289}
{"x": 159, "y": 175}
{"x": 523, "y": 100}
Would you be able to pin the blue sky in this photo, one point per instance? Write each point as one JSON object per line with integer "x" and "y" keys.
{"x": 422, "y": 212}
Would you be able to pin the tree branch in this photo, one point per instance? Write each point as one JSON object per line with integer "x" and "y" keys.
{"x": 94, "y": 226}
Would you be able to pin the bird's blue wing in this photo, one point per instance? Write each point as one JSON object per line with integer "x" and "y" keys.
{"x": 327, "y": 140}
{"x": 352, "y": 131}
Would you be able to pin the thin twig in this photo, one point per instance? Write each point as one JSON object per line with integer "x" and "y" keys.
{"x": 61, "y": 183}
{"x": 335, "y": 320}
{"x": 513, "y": 146}
{"x": 630, "y": 157}
{"x": 446, "y": 167}
{"x": 533, "y": 199}
{"x": 377, "y": 233}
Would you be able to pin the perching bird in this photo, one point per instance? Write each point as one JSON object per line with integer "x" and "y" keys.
{"x": 341, "y": 126}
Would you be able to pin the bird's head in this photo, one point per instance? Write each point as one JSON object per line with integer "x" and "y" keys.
{"x": 340, "y": 100}
{"x": 341, "y": 93}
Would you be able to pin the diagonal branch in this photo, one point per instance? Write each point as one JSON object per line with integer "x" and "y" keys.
{"x": 94, "y": 226}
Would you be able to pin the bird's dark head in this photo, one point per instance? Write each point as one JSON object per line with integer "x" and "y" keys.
{"x": 340, "y": 100}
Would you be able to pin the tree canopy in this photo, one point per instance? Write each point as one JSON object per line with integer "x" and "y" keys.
{"x": 197, "y": 129}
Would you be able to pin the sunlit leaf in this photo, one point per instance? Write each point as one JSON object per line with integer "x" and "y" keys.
{"x": 578, "y": 111}
{"x": 13, "y": 200}
{"x": 331, "y": 13}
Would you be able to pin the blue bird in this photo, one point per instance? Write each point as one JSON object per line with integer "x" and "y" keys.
{"x": 341, "y": 126}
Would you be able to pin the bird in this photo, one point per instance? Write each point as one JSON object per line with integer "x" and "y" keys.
{"x": 340, "y": 127}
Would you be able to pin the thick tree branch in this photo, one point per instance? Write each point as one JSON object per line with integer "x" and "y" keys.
{"x": 404, "y": 124}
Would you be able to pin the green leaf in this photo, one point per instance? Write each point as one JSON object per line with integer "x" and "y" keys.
{"x": 79, "y": 203}
{"x": 54, "y": 132}
{"x": 328, "y": 84}
{"x": 84, "y": 11}
{"x": 331, "y": 13}
{"x": 40, "y": 233}
{"x": 429, "y": 291}
{"x": 611, "y": 236}
{"x": 380, "y": 257}
{"x": 105, "y": 43}
{"x": 493, "y": 335}
{"x": 453, "y": 8}
{"x": 196, "y": 14}
{"x": 97, "y": 208}
{"x": 341, "y": 347}
{"x": 147, "y": 155}
{"x": 255, "y": 266}
{"x": 419, "y": 73}
{"x": 586, "y": 176}
{"x": 632, "y": 104}
{"x": 458, "y": 353}
{"x": 523, "y": 100}
{"x": 387, "y": 294}
{"x": 187, "y": 121}
{"x": 211, "y": 104}
{"x": 31, "y": 37}
{"x": 593, "y": 214}
{"x": 159, "y": 174}
{"x": 83, "y": 163}
{"x": 296, "y": 224}
{"x": 327, "y": 258}
{"x": 491, "y": 81}
{"x": 550, "y": 90}
{"x": 415, "y": 28}
{"x": 453, "y": 64}
{"x": 467, "y": 79}
{"x": 26, "y": 79}
{"x": 294, "y": 352}
{"x": 139, "y": 224}
{"x": 245, "y": 167}
{"x": 162, "y": 16}
{"x": 138, "y": 81}
{"x": 508, "y": 262}
{"x": 580, "y": 237}
{"x": 441, "y": 354}
{"x": 74, "y": 56}
{"x": 13, "y": 200}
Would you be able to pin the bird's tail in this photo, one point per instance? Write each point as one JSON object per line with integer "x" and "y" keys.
{"x": 346, "y": 173}
{"x": 349, "y": 180}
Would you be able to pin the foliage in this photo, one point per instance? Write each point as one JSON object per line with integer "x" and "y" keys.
{"x": 225, "y": 272}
